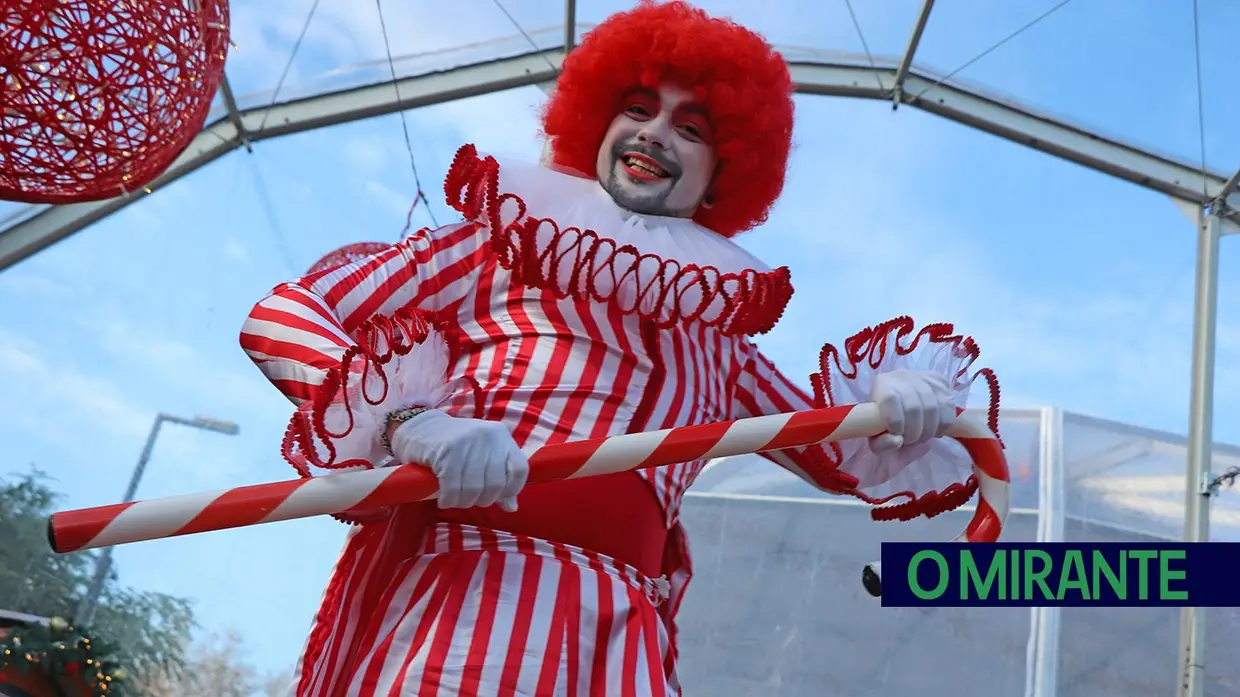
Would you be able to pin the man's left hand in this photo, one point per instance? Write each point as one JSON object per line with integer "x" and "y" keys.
{"x": 915, "y": 404}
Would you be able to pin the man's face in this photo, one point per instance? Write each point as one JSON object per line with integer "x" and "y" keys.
{"x": 658, "y": 155}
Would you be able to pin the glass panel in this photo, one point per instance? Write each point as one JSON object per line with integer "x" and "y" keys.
{"x": 1220, "y": 55}
{"x": 1127, "y": 484}
{"x": 1222, "y": 644}
{"x": 345, "y": 35}
{"x": 358, "y": 58}
{"x": 1120, "y": 476}
{"x": 803, "y": 24}
{"x": 777, "y": 608}
{"x": 1124, "y": 70}
{"x": 12, "y": 212}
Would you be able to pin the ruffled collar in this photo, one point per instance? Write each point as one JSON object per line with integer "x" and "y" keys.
{"x": 564, "y": 233}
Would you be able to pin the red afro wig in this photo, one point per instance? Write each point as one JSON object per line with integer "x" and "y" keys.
{"x": 736, "y": 75}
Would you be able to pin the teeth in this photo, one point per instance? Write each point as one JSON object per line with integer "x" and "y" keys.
{"x": 638, "y": 164}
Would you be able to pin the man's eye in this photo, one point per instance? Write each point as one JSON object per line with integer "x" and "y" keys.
{"x": 690, "y": 129}
{"x": 637, "y": 110}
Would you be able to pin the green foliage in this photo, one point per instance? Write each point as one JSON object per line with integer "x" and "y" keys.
{"x": 32, "y": 578}
{"x": 153, "y": 628}
{"x": 61, "y": 649}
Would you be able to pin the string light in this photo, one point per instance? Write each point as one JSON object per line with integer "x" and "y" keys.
{"x": 53, "y": 86}
{"x": 60, "y": 649}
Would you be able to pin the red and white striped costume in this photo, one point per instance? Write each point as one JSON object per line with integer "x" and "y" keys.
{"x": 566, "y": 318}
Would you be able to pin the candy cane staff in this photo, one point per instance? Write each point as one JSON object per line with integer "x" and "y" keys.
{"x": 597, "y": 293}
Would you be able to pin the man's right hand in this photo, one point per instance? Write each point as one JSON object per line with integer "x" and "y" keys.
{"x": 476, "y": 461}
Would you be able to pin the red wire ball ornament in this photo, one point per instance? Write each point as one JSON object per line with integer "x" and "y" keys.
{"x": 98, "y": 98}
{"x": 347, "y": 255}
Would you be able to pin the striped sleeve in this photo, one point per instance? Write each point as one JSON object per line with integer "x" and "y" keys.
{"x": 302, "y": 328}
{"x": 761, "y": 390}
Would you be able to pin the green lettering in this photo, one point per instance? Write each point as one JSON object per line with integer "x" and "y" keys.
{"x": 1038, "y": 576}
{"x": 1143, "y": 571}
{"x": 1014, "y": 586}
{"x": 1119, "y": 584}
{"x": 944, "y": 576}
{"x": 1073, "y": 562}
{"x": 970, "y": 578}
{"x": 1166, "y": 575}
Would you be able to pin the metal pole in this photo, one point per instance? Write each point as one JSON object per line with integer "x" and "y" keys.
{"x": 897, "y": 90}
{"x": 234, "y": 114}
{"x": 570, "y": 25}
{"x": 1200, "y": 440}
{"x": 1042, "y": 657}
{"x": 90, "y": 602}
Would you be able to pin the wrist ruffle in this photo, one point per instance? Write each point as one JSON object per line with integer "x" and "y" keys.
{"x": 398, "y": 361}
{"x": 920, "y": 480}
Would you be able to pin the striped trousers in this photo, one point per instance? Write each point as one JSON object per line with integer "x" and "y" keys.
{"x": 486, "y": 613}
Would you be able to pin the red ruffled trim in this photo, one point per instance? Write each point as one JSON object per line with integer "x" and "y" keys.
{"x": 868, "y": 348}
{"x": 329, "y": 609}
{"x": 380, "y": 339}
{"x": 749, "y": 303}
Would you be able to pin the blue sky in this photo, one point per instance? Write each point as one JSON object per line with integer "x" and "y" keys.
{"x": 1077, "y": 287}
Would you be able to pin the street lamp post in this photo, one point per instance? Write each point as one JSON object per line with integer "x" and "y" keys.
{"x": 90, "y": 602}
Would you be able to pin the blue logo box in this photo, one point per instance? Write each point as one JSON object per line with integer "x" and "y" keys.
{"x": 1068, "y": 574}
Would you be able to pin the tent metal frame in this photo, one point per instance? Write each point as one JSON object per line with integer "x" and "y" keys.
{"x": 903, "y": 83}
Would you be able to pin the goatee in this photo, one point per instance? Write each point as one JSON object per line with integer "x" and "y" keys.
{"x": 648, "y": 198}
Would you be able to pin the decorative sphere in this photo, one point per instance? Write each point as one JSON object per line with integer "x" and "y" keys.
{"x": 347, "y": 255}
{"x": 98, "y": 98}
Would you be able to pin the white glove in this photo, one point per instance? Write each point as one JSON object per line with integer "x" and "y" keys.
{"x": 476, "y": 461}
{"x": 915, "y": 404}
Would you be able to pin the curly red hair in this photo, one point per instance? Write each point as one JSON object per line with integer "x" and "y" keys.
{"x": 740, "y": 79}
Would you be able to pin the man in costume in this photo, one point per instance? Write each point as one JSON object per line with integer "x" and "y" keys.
{"x": 595, "y": 294}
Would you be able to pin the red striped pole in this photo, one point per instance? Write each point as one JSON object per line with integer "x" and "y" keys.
{"x": 339, "y": 492}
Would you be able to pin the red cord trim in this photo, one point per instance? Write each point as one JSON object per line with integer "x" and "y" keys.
{"x": 379, "y": 340}
{"x": 746, "y": 303}
{"x": 929, "y": 505}
{"x": 329, "y": 611}
{"x": 868, "y": 348}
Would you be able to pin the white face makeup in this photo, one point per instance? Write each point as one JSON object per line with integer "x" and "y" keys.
{"x": 658, "y": 156}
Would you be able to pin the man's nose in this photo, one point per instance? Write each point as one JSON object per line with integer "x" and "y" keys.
{"x": 654, "y": 133}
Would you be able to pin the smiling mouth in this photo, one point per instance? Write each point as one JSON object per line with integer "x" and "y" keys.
{"x": 643, "y": 168}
